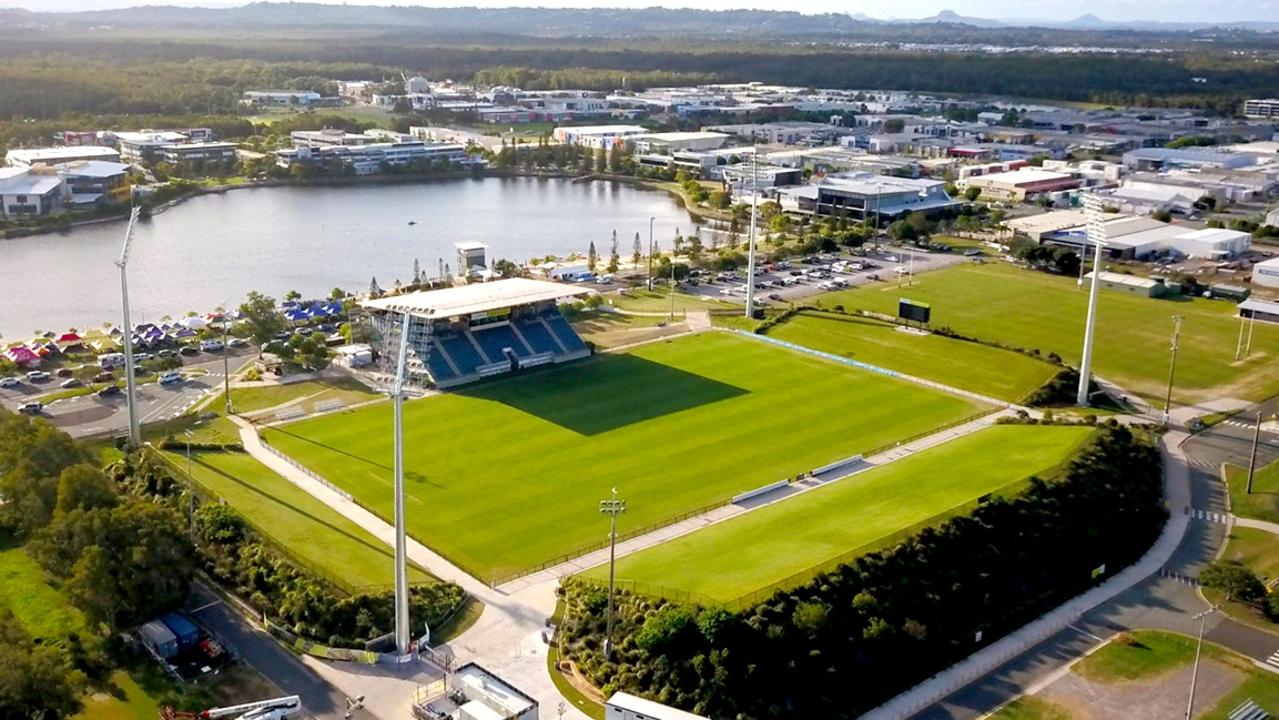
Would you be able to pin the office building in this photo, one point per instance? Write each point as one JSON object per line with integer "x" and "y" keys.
{"x": 281, "y": 98}
{"x": 598, "y": 136}
{"x": 147, "y": 146}
{"x": 30, "y": 192}
{"x": 1266, "y": 273}
{"x": 1021, "y": 183}
{"x": 667, "y": 143}
{"x": 58, "y": 155}
{"x": 1261, "y": 108}
{"x": 863, "y": 195}
{"x": 198, "y": 152}
{"x": 95, "y": 181}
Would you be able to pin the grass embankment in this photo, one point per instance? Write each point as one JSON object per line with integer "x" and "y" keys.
{"x": 304, "y": 395}
{"x": 1263, "y": 502}
{"x": 1257, "y": 550}
{"x": 792, "y": 539}
{"x": 1002, "y": 374}
{"x": 314, "y": 534}
{"x": 659, "y": 301}
{"x": 1004, "y": 304}
{"x": 505, "y": 475}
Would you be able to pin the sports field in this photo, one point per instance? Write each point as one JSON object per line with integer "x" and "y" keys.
{"x": 1001, "y": 374}
{"x": 316, "y": 535}
{"x": 1029, "y": 309}
{"x": 508, "y": 474}
{"x": 784, "y": 540}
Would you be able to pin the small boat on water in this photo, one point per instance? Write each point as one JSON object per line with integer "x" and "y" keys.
{"x": 412, "y": 222}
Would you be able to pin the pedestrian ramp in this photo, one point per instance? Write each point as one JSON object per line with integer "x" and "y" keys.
{"x": 1248, "y": 710}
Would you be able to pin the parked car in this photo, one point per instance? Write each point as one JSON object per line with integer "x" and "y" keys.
{"x": 104, "y": 377}
{"x": 606, "y": 280}
{"x": 774, "y": 296}
{"x": 167, "y": 353}
{"x": 212, "y": 345}
{"x": 284, "y": 335}
{"x": 240, "y": 342}
{"x": 34, "y": 407}
{"x": 189, "y": 350}
{"x": 141, "y": 357}
{"x": 8, "y": 382}
{"x": 109, "y": 391}
{"x": 37, "y": 376}
{"x": 169, "y": 377}
{"x": 63, "y": 372}
{"x": 71, "y": 383}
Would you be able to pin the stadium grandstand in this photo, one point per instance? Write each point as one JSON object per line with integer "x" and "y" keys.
{"x": 462, "y": 334}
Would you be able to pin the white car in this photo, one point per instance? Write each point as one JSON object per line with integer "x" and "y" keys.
{"x": 211, "y": 345}
{"x": 9, "y": 382}
{"x": 170, "y": 376}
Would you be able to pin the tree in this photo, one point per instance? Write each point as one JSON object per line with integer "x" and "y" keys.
{"x": 1236, "y": 580}
{"x": 636, "y": 254}
{"x": 601, "y": 161}
{"x": 35, "y": 683}
{"x": 972, "y": 193}
{"x": 337, "y": 293}
{"x": 505, "y": 268}
{"x": 614, "y": 260}
{"x": 84, "y": 487}
{"x": 592, "y": 259}
{"x": 259, "y": 314}
{"x": 293, "y": 295}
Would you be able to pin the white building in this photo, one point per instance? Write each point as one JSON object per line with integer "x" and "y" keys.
{"x": 1266, "y": 274}
{"x": 489, "y": 697}
{"x": 30, "y": 192}
{"x": 59, "y": 155}
{"x": 417, "y": 84}
{"x": 1261, "y": 108}
{"x": 670, "y": 142}
{"x": 598, "y": 136}
{"x": 281, "y": 98}
{"x": 625, "y": 706}
{"x": 1212, "y": 243}
{"x": 1272, "y": 218}
{"x": 147, "y": 145}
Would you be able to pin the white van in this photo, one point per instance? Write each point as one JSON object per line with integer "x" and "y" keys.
{"x": 169, "y": 377}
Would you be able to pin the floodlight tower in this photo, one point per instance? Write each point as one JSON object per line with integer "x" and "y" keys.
{"x": 1097, "y": 237}
{"x": 611, "y": 507}
{"x": 750, "y": 238}
{"x": 401, "y": 545}
{"x": 131, "y": 398}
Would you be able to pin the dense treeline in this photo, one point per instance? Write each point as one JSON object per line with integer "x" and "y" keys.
{"x": 854, "y": 637}
{"x": 140, "y": 75}
{"x": 585, "y": 78}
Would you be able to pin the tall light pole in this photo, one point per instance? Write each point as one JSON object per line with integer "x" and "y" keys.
{"x": 190, "y": 487}
{"x": 401, "y": 545}
{"x": 130, "y": 396}
{"x": 1252, "y": 460}
{"x": 650, "y": 254}
{"x": 1097, "y": 237}
{"x": 1194, "y": 675}
{"x": 612, "y": 508}
{"x": 226, "y": 362}
{"x": 750, "y": 241}
{"x": 1172, "y": 364}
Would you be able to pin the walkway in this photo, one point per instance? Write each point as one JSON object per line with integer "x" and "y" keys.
{"x": 1272, "y": 528}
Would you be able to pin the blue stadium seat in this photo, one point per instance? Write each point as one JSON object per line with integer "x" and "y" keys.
{"x": 463, "y": 353}
{"x": 539, "y": 337}
{"x": 565, "y": 332}
{"x": 439, "y": 367}
{"x": 494, "y": 339}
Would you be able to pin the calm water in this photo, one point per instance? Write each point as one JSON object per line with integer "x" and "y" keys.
{"x": 213, "y": 249}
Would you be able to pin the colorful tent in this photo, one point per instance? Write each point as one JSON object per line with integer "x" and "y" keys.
{"x": 22, "y": 355}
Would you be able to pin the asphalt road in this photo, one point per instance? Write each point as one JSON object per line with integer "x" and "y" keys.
{"x": 90, "y": 415}
{"x": 1167, "y": 602}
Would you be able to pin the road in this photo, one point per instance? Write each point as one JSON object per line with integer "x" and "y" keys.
{"x": 257, "y": 649}
{"x": 90, "y": 415}
{"x": 1167, "y": 601}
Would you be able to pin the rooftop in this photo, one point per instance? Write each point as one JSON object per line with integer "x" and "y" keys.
{"x": 679, "y": 136}
{"x": 1129, "y": 280}
{"x": 650, "y": 709}
{"x": 1024, "y": 175}
{"x": 21, "y": 181}
{"x": 475, "y": 298}
{"x": 479, "y": 681}
{"x": 93, "y": 168}
{"x": 150, "y": 137}
{"x": 53, "y": 155}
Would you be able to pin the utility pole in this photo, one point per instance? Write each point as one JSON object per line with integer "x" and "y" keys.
{"x": 1239, "y": 340}
{"x": 190, "y": 488}
{"x": 1194, "y": 675}
{"x": 650, "y": 254}
{"x": 1096, "y": 237}
{"x": 401, "y": 545}
{"x": 226, "y": 364}
{"x": 672, "y": 291}
{"x": 1252, "y": 460}
{"x": 750, "y": 249}
{"x": 131, "y": 398}
{"x": 611, "y": 507}
{"x": 1172, "y": 365}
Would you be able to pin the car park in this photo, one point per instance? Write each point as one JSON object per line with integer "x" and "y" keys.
{"x": 9, "y": 382}
{"x": 34, "y": 407}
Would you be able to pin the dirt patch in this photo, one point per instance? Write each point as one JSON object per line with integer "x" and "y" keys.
{"x": 1157, "y": 698}
{"x": 569, "y": 670}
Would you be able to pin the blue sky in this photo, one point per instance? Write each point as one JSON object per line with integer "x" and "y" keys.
{"x": 1166, "y": 10}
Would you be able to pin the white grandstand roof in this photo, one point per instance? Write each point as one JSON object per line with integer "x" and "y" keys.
{"x": 476, "y": 297}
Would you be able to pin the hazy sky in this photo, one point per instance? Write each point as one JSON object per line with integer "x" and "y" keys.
{"x": 1166, "y": 10}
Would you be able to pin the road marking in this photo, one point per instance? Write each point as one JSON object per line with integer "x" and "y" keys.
{"x": 206, "y": 606}
{"x": 1094, "y": 637}
{"x": 1210, "y": 516}
{"x": 1273, "y": 660}
{"x": 1178, "y": 577}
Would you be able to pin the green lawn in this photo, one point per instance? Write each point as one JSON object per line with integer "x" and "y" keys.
{"x": 1260, "y": 687}
{"x": 1257, "y": 549}
{"x": 308, "y": 394}
{"x": 1029, "y": 309}
{"x": 659, "y": 300}
{"x": 1031, "y": 708}
{"x": 1137, "y": 655}
{"x": 315, "y": 534}
{"x": 784, "y": 540}
{"x": 41, "y": 610}
{"x": 507, "y": 474}
{"x": 980, "y": 368}
{"x": 125, "y": 701}
{"x": 1263, "y": 502}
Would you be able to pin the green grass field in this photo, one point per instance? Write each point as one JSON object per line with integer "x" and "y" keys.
{"x": 784, "y": 540}
{"x": 982, "y": 369}
{"x": 304, "y": 394}
{"x": 659, "y": 301}
{"x": 1137, "y": 655}
{"x": 508, "y": 474}
{"x": 1263, "y": 502}
{"x": 315, "y": 534}
{"x": 1005, "y": 304}
{"x": 1031, "y": 708}
{"x": 41, "y": 610}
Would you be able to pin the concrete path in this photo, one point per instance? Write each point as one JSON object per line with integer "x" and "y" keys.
{"x": 986, "y": 660}
{"x": 1272, "y": 528}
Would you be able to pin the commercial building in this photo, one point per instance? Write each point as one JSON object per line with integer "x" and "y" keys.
{"x": 1261, "y": 108}
{"x": 328, "y": 137}
{"x": 600, "y": 137}
{"x": 1212, "y": 243}
{"x": 147, "y": 146}
{"x": 625, "y": 706}
{"x": 1142, "y": 238}
{"x": 59, "y": 155}
{"x": 863, "y": 195}
{"x": 198, "y": 152}
{"x": 1266, "y": 274}
{"x": 786, "y": 133}
{"x": 417, "y": 84}
{"x": 744, "y": 178}
{"x": 1161, "y": 158}
{"x": 1020, "y": 184}
{"x": 370, "y": 158}
{"x": 96, "y": 181}
{"x": 30, "y": 192}
{"x": 281, "y": 98}
{"x": 1272, "y": 218}
{"x": 1130, "y": 284}
{"x": 667, "y": 143}
{"x": 1262, "y": 310}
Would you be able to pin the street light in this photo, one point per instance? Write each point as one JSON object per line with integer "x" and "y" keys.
{"x": 1252, "y": 460}
{"x": 650, "y": 253}
{"x": 401, "y": 544}
{"x": 612, "y": 507}
{"x": 190, "y": 487}
{"x": 1194, "y": 675}
{"x": 1096, "y": 236}
{"x": 750, "y": 242}
{"x": 131, "y": 399}
{"x": 1172, "y": 365}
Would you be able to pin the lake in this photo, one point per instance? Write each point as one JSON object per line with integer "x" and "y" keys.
{"x": 213, "y": 249}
